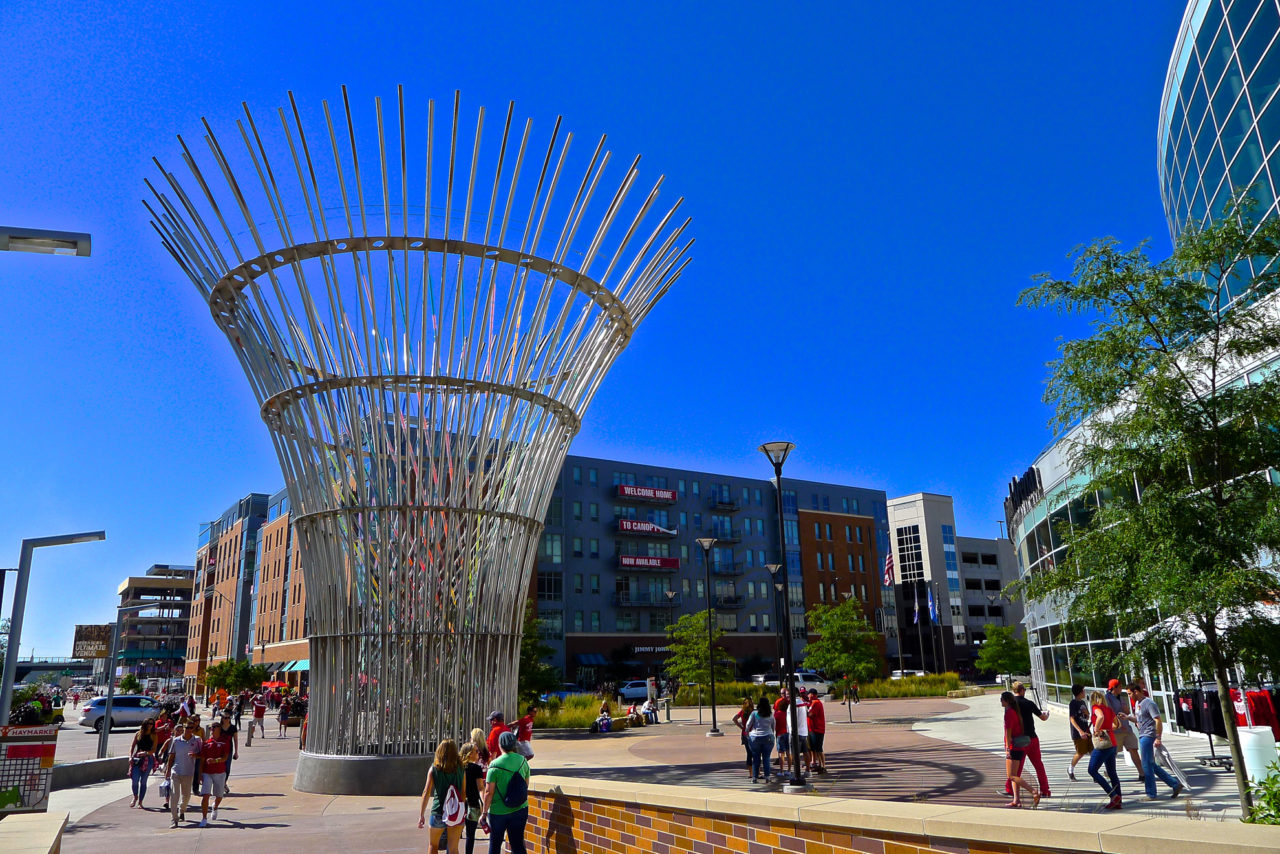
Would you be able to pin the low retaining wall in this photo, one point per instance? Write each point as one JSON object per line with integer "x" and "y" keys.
{"x": 969, "y": 691}
{"x": 33, "y": 833}
{"x": 90, "y": 771}
{"x": 583, "y": 816}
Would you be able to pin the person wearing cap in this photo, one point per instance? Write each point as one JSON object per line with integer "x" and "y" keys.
{"x": 1124, "y": 734}
{"x": 500, "y": 818}
{"x": 817, "y": 731}
{"x": 497, "y": 726}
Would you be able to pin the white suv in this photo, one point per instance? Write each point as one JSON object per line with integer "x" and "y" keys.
{"x": 637, "y": 689}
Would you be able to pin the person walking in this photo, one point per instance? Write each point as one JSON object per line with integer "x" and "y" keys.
{"x": 506, "y": 797}
{"x": 282, "y": 719}
{"x": 497, "y": 726}
{"x": 1015, "y": 744}
{"x": 259, "y": 719}
{"x": 474, "y": 778}
{"x": 142, "y": 758}
{"x": 800, "y": 738}
{"x": 780, "y": 731}
{"x": 482, "y": 749}
{"x": 524, "y": 731}
{"x": 1150, "y": 728}
{"x": 817, "y": 732}
{"x": 1078, "y": 721}
{"x": 741, "y": 720}
{"x": 1030, "y": 711}
{"x": 444, "y": 791}
{"x": 213, "y": 771}
{"x": 239, "y": 709}
{"x": 179, "y": 768}
{"x": 1125, "y": 736}
{"x": 231, "y": 733}
{"x": 760, "y": 737}
{"x": 1102, "y": 724}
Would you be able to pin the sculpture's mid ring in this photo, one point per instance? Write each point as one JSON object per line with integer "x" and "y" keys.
{"x": 423, "y": 339}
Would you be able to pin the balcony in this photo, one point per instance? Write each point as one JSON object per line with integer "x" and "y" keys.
{"x": 645, "y": 600}
{"x": 727, "y": 568}
{"x": 647, "y": 563}
{"x": 640, "y": 527}
{"x": 729, "y": 602}
{"x": 725, "y": 535}
{"x": 721, "y": 501}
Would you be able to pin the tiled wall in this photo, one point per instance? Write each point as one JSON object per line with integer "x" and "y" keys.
{"x": 564, "y": 823}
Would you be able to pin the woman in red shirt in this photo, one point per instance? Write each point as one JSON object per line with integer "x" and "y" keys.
{"x": 1015, "y": 743}
{"x": 1103, "y": 722}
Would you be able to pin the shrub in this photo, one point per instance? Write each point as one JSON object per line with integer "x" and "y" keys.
{"x": 1266, "y": 797}
{"x": 934, "y": 685}
{"x": 574, "y": 712}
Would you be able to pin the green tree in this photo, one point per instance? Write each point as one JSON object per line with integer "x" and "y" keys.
{"x": 846, "y": 647}
{"x": 129, "y": 684}
{"x": 537, "y": 677}
{"x": 1003, "y": 651}
{"x": 1179, "y": 450}
{"x": 219, "y": 675}
{"x": 691, "y": 649}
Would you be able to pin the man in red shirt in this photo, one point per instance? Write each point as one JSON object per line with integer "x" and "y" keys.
{"x": 524, "y": 732}
{"x": 259, "y": 720}
{"x": 817, "y": 730}
{"x": 497, "y": 726}
{"x": 214, "y": 753}
{"x": 780, "y": 730}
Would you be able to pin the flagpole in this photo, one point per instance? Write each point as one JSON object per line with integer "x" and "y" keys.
{"x": 942, "y": 636}
{"x": 893, "y": 591}
{"x": 915, "y": 597}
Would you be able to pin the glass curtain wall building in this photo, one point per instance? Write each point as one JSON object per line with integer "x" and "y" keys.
{"x": 1219, "y": 126}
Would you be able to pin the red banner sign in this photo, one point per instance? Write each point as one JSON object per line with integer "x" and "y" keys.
{"x": 646, "y": 493}
{"x": 639, "y": 526}
{"x": 647, "y": 562}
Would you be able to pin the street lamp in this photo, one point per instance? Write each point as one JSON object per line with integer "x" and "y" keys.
{"x": 105, "y": 720}
{"x": 20, "y": 607}
{"x": 44, "y": 242}
{"x": 777, "y": 453}
{"x": 707, "y": 543}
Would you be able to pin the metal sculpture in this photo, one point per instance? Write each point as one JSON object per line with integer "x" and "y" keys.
{"x": 422, "y": 370}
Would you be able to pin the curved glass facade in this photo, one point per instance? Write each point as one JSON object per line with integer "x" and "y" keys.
{"x": 1220, "y": 119}
{"x": 1218, "y": 133}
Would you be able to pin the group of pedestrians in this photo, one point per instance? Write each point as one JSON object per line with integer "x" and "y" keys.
{"x": 1100, "y": 727}
{"x": 766, "y": 725}
{"x": 482, "y": 785}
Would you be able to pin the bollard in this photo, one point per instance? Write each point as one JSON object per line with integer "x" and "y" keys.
{"x": 699, "y": 705}
{"x": 668, "y": 708}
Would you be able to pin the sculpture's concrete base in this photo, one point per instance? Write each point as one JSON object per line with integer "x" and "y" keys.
{"x": 361, "y": 775}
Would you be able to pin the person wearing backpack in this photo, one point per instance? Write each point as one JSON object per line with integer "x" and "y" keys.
{"x": 506, "y": 797}
{"x": 444, "y": 790}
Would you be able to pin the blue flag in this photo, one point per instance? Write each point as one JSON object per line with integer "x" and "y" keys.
{"x": 933, "y": 607}
{"x": 915, "y": 594}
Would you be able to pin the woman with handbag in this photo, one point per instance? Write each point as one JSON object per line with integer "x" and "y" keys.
{"x": 142, "y": 758}
{"x": 1103, "y": 722}
{"x": 1016, "y": 742}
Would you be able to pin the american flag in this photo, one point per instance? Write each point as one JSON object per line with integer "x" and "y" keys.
{"x": 888, "y": 569}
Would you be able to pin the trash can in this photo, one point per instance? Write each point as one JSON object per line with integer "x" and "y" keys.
{"x": 1258, "y": 747}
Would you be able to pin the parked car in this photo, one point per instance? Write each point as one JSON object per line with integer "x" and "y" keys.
{"x": 899, "y": 674}
{"x": 805, "y": 679}
{"x": 637, "y": 689}
{"x": 566, "y": 688}
{"x": 126, "y": 710}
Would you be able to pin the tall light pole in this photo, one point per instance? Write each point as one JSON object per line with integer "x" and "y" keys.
{"x": 20, "y": 606}
{"x": 105, "y": 731}
{"x": 707, "y": 543}
{"x": 777, "y": 453}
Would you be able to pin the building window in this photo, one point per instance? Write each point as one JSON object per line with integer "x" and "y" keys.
{"x": 552, "y": 548}
{"x": 693, "y": 487}
{"x": 594, "y": 509}
{"x": 973, "y": 584}
{"x": 697, "y": 521}
{"x": 595, "y": 583}
{"x": 593, "y": 547}
{"x": 976, "y": 611}
{"x": 791, "y": 532}
{"x": 701, "y": 589}
{"x": 555, "y": 513}
{"x": 759, "y": 498}
{"x": 817, "y": 530}
{"x": 828, "y": 532}
{"x": 831, "y": 562}
{"x": 595, "y": 621}
{"x": 861, "y": 566}
{"x": 760, "y": 558}
{"x": 969, "y": 557}
{"x": 848, "y": 533}
{"x": 993, "y": 584}
{"x": 844, "y": 505}
{"x": 764, "y": 622}
{"x": 624, "y": 512}
{"x": 684, "y": 553}
{"x": 795, "y": 594}
{"x": 627, "y": 622}
{"x": 680, "y": 488}
{"x": 577, "y": 621}
{"x": 789, "y": 502}
{"x": 859, "y": 533}
{"x": 577, "y": 546}
{"x": 911, "y": 565}
{"x": 746, "y": 495}
{"x": 727, "y": 621}
{"x": 659, "y": 517}
{"x": 624, "y": 478}
{"x": 684, "y": 586}
{"x": 577, "y": 511}
{"x": 577, "y": 475}
{"x": 995, "y": 611}
{"x": 862, "y": 592}
{"x": 822, "y": 593}
{"x": 990, "y": 560}
{"x": 551, "y": 625}
{"x": 592, "y": 478}
{"x": 577, "y": 583}
{"x": 813, "y": 500}
{"x": 759, "y": 527}
{"x": 749, "y": 560}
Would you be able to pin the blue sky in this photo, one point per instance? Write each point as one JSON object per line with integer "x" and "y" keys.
{"x": 871, "y": 187}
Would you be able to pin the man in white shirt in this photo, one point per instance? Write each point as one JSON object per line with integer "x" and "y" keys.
{"x": 801, "y": 735}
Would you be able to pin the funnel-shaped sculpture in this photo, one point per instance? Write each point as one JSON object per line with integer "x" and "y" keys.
{"x": 424, "y": 312}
